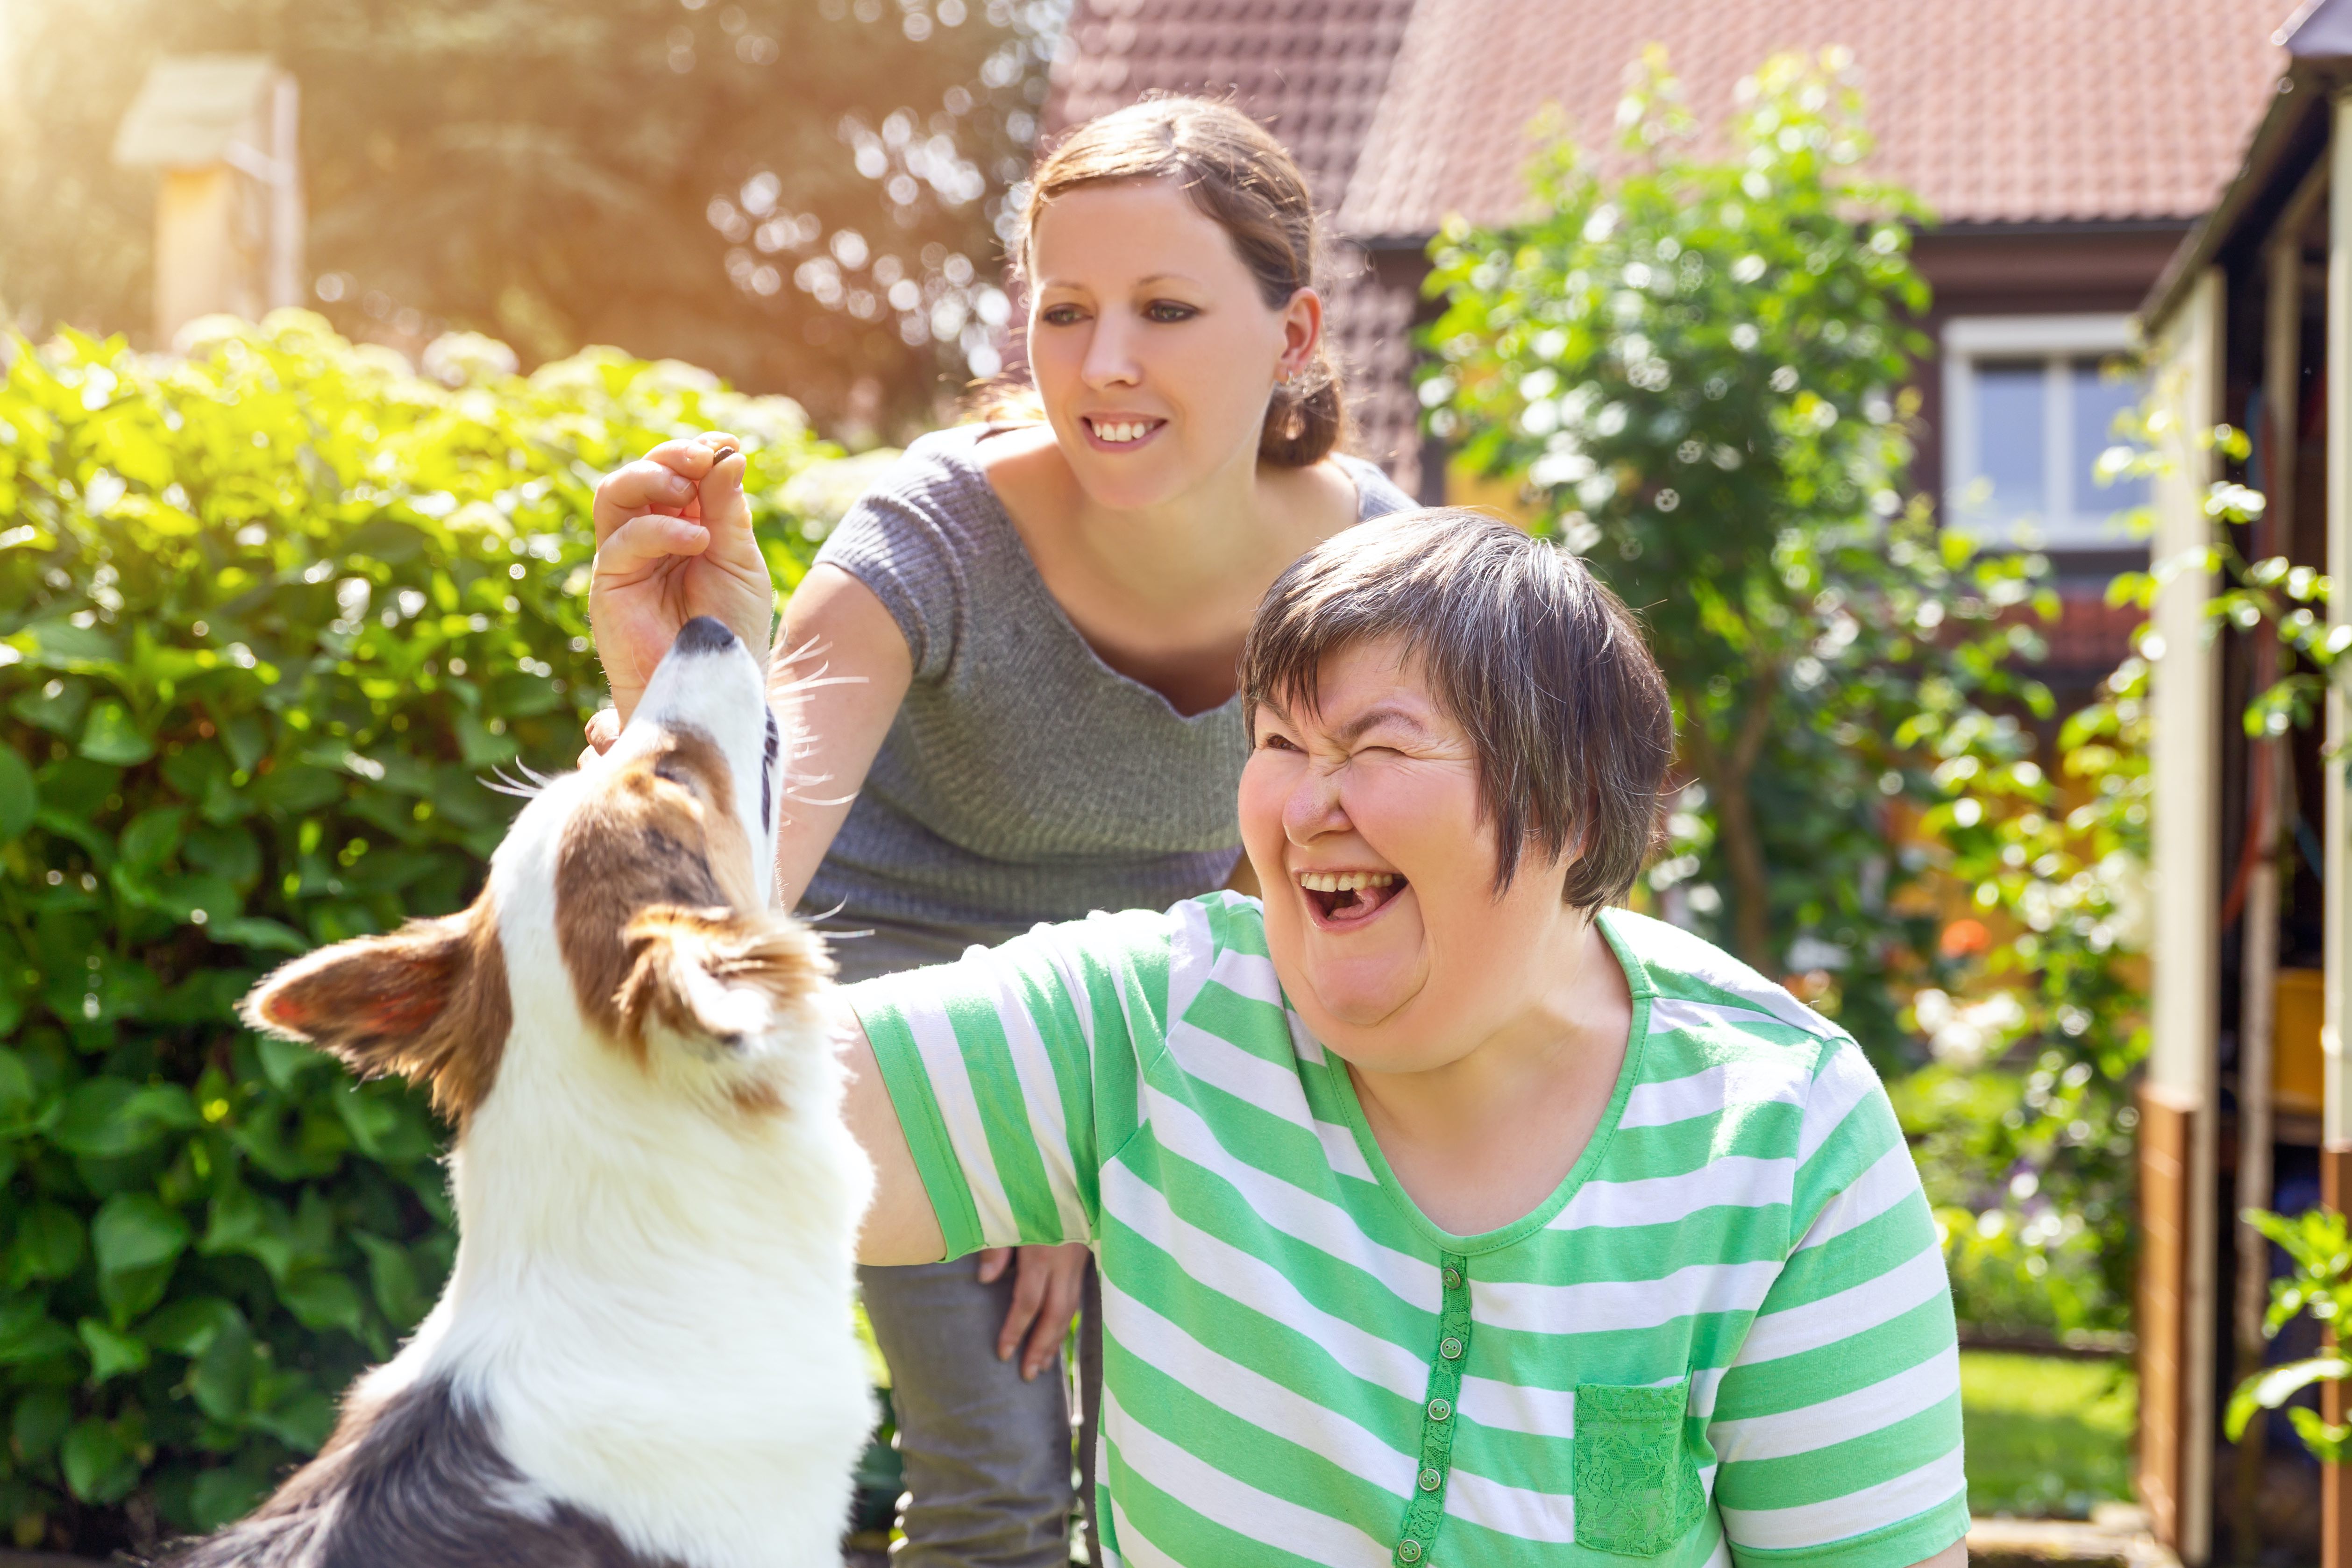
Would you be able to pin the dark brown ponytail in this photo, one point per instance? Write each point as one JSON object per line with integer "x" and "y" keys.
{"x": 1245, "y": 181}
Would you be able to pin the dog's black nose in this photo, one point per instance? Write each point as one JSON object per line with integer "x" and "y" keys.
{"x": 705, "y": 635}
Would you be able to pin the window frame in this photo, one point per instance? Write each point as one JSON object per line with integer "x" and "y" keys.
{"x": 2059, "y": 341}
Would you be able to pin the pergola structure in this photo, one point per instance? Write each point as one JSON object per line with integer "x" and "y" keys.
{"x": 2251, "y": 325}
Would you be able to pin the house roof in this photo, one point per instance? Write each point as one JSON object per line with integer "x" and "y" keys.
{"x": 2292, "y": 132}
{"x": 1311, "y": 69}
{"x": 190, "y": 109}
{"x": 1995, "y": 111}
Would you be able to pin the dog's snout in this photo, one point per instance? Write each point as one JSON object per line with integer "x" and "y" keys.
{"x": 705, "y": 634}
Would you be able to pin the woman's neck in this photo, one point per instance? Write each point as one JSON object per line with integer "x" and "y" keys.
{"x": 1485, "y": 1138}
{"x": 1225, "y": 528}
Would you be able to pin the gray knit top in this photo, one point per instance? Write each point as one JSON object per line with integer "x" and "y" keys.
{"x": 1023, "y": 779}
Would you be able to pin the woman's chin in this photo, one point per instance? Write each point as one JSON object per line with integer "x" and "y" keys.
{"x": 1360, "y": 994}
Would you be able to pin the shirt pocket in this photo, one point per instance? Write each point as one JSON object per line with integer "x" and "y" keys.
{"x": 1636, "y": 1485}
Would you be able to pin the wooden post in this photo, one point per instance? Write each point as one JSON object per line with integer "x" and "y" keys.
{"x": 2335, "y": 1120}
{"x": 2167, "y": 1133}
{"x": 2179, "y": 1151}
{"x": 2266, "y": 760}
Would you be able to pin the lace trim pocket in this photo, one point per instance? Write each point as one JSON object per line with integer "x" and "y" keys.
{"x": 1636, "y": 1483}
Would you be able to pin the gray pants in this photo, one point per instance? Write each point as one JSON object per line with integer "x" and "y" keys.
{"x": 987, "y": 1456}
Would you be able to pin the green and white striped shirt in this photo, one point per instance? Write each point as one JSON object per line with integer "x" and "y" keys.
{"x": 1727, "y": 1337}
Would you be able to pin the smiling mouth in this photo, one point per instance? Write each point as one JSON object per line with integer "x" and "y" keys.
{"x": 1349, "y": 897}
{"x": 1120, "y": 432}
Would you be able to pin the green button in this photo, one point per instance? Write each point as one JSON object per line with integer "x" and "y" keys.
{"x": 1440, "y": 1409}
{"x": 1450, "y": 1348}
{"x": 1453, "y": 1279}
{"x": 1430, "y": 1479}
{"x": 1408, "y": 1549}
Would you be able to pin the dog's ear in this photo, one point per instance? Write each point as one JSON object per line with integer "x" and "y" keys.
{"x": 428, "y": 1002}
{"x": 718, "y": 978}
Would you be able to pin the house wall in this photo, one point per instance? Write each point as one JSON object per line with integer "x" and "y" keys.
{"x": 2025, "y": 270}
{"x": 1974, "y": 270}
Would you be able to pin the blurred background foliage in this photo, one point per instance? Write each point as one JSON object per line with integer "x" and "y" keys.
{"x": 269, "y": 616}
{"x": 801, "y": 195}
{"x": 1691, "y": 368}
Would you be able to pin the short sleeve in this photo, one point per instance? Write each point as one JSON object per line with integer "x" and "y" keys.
{"x": 1376, "y": 494}
{"x": 1015, "y": 1072}
{"x": 899, "y": 540}
{"x": 1837, "y": 1427}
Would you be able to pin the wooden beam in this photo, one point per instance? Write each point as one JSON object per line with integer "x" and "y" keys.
{"x": 2166, "y": 1133}
{"x": 2185, "y": 1000}
{"x": 2336, "y": 829}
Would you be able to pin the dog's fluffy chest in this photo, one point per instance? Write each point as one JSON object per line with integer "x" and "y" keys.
{"x": 665, "y": 1341}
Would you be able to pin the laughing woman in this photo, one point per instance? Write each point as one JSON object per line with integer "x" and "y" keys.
{"x": 1447, "y": 1216}
{"x": 1034, "y": 624}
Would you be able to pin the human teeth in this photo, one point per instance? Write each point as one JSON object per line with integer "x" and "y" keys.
{"x": 1121, "y": 432}
{"x": 1344, "y": 882}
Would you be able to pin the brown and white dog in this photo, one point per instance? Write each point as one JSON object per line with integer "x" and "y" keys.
{"x": 645, "y": 1354}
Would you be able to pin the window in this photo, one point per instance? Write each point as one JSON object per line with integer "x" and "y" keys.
{"x": 2030, "y": 402}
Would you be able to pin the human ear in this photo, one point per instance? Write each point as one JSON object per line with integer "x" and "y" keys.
{"x": 1302, "y": 332}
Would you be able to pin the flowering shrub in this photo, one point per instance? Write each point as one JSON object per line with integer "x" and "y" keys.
{"x": 268, "y": 615}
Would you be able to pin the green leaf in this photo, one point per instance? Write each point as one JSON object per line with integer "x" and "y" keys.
{"x": 58, "y": 711}
{"x": 393, "y": 1275}
{"x": 112, "y": 737}
{"x": 110, "y": 1352}
{"x": 284, "y": 1060}
{"x": 136, "y": 1239}
{"x": 222, "y": 1378}
{"x": 248, "y": 741}
{"x": 2270, "y": 1389}
{"x": 28, "y": 1334}
{"x": 186, "y": 1327}
{"x": 385, "y": 539}
{"x": 259, "y": 933}
{"x": 20, "y": 798}
{"x": 295, "y": 790}
{"x": 301, "y": 1423}
{"x": 321, "y": 1299}
{"x": 15, "y": 1088}
{"x": 40, "y": 1419}
{"x": 47, "y": 1246}
{"x": 2330, "y": 1443}
{"x": 151, "y": 839}
{"x": 479, "y": 747}
{"x": 224, "y": 1495}
{"x": 100, "y": 1467}
{"x": 107, "y": 1117}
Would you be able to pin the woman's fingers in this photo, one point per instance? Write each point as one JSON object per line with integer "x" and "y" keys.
{"x": 635, "y": 489}
{"x": 1028, "y": 1296}
{"x": 665, "y": 479}
{"x": 643, "y": 543}
{"x": 1046, "y": 1293}
{"x": 603, "y": 728}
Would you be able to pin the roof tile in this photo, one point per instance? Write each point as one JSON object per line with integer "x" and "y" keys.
{"x": 1992, "y": 111}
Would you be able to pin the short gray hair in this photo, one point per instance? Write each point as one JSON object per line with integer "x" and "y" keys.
{"x": 1542, "y": 666}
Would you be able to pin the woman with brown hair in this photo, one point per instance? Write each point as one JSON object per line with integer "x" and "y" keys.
{"x": 1030, "y": 631}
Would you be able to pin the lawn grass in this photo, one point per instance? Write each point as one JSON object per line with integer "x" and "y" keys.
{"x": 2047, "y": 1437}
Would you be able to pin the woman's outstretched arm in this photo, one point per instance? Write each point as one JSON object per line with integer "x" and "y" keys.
{"x": 838, "y": 671}
{"x": 901, "y": 1228}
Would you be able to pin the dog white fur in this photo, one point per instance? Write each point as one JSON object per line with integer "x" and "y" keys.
{"x": 645, "y": 1354}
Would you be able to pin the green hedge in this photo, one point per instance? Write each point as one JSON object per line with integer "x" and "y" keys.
{"x": 269, "y": 616}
